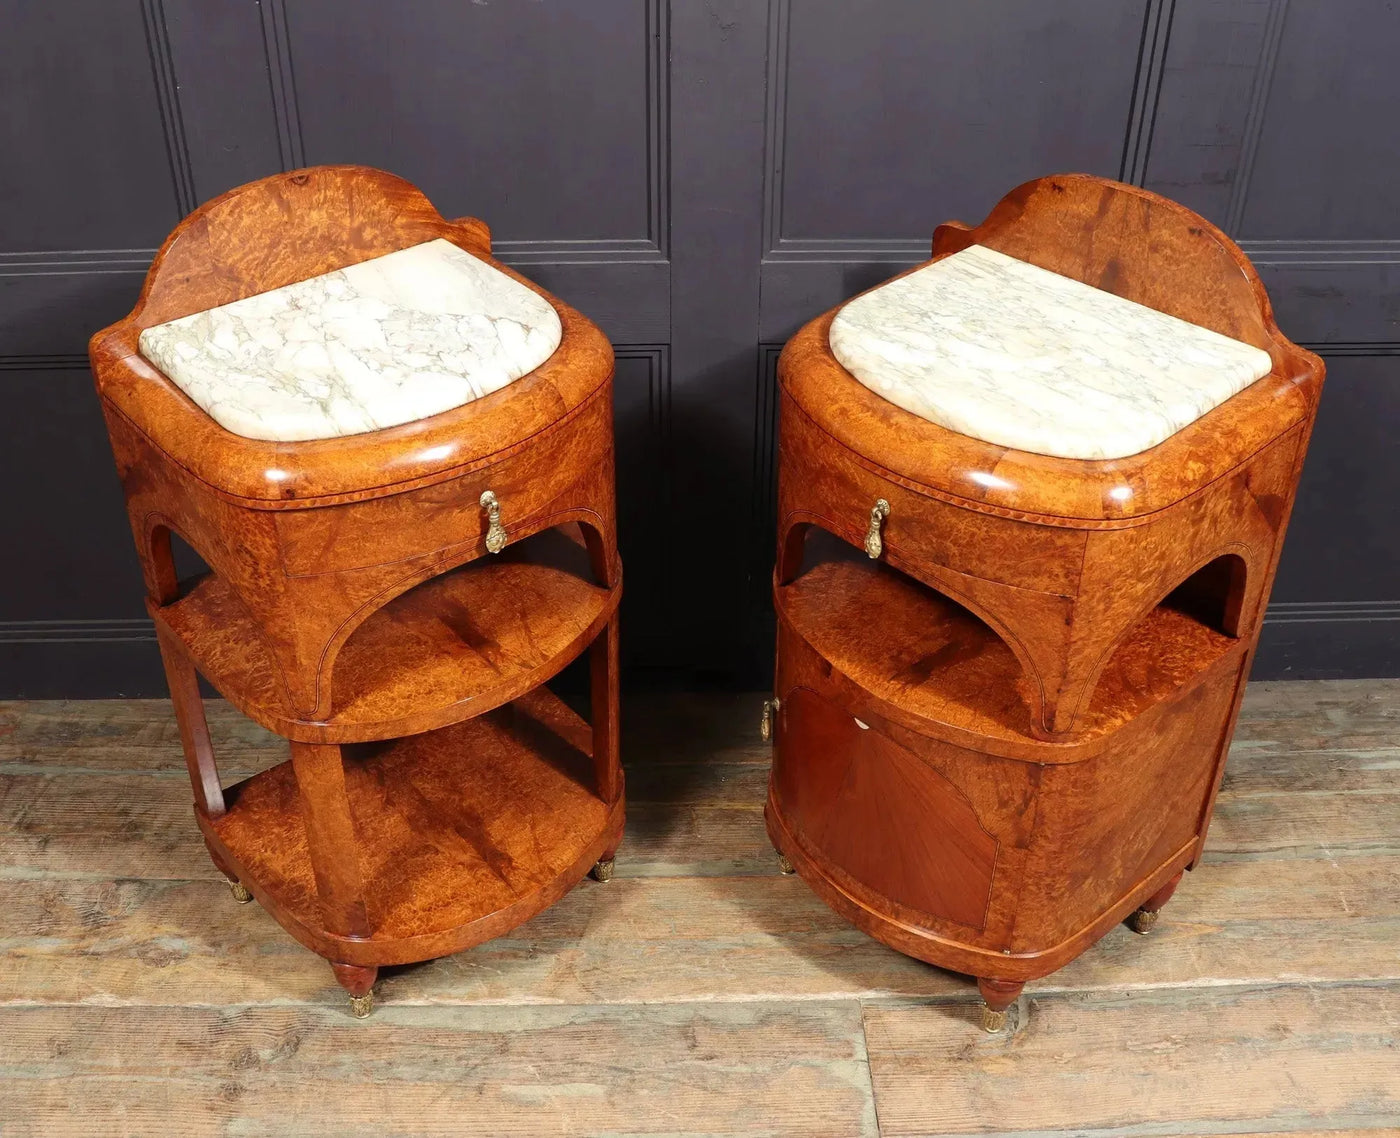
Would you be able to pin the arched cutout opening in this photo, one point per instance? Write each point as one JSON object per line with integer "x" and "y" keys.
{"x": 190, "y": 567}
{"x": 484, "y": 631}
{"x": 917, "y": 647}
{"x": 503, "y": 635}
{"x": 173, "y": 566}
{"x": 1213, "y": 594}
{"x": 1184, "y": 633}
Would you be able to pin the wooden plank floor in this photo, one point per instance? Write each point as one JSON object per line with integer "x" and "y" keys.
{"x": 699, "y": 992}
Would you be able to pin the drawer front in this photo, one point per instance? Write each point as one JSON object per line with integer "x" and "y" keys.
{"x": 819, "y": 476}
{"x": 534, "y": 481}
{"x": 880, "y": 815}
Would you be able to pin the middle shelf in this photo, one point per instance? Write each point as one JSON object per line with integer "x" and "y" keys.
{"x": 450, "y": 648}
{"x": 916, "y": 650}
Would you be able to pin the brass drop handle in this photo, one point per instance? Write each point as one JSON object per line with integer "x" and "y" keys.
{"x": 874, "y": 545}
{"x": 765, "y": 725}
{"x": 495, "y": 532}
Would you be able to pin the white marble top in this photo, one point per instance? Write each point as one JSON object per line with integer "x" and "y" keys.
{"x": 397, "y": 338}
{"x": 1015, "y": 355}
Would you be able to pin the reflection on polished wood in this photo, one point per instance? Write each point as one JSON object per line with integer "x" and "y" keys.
{"x": 391, "y": 602}
{"x": 1002, "y": 726}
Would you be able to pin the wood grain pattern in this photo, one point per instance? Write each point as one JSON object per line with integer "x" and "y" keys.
{"x": 1355, "y": 722}
{"x": 133, "y": 991}
{"x": 460, "y": 643}
{"x": 1130, "y": 242}
{"x": 121, "y": 807}
{"x": 288, "y": 228}
{"x": 678, "y": 938}
{"x": 478, "y": 1071}
{"x": 458, "y": 834}
{"x": 1320, "y": 1057}
{"x": 867, "y": 802}
{"x": 930, "y": 657}
{"x": 354, "y": 597}
{"x": 1059, "y": 647}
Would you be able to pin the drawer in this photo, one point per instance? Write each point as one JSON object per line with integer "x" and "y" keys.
{"x": 534, "y": 481}
{"x": 821, "y": 477}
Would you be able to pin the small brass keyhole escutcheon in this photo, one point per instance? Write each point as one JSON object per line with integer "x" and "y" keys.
{"x": 495, "y": 532}
{"x": 874, "y": 544}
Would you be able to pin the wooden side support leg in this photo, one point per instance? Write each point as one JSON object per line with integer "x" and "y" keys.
{"x": 183, "y": 680}
{"x": 997, "y": 996}
{"x": 335, "y": 857}
{"x": 194, "y": 728}
{"x": 1145, "y": 917}
{"x": 604, "y": 662}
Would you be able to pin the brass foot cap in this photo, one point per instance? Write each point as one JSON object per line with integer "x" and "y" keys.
{"x": 1142, "y": 921}
{"x": 992, "y": 1022}
{"x": 240, "y": 892}
{"x": 602, "y": 870}
{"x": 785, "y": 866}
{"x": 361, "y": 1006}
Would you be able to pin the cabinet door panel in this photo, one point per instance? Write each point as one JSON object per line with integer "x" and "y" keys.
{"x": 874, "y": 810}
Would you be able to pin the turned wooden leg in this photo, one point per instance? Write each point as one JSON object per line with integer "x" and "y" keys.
{"x": 1145, "y": 917}
{"x": 604, "y": 663}
{"x": 997, "y": 996}
{"x": 603, "y": 868}
{"x": 240, "y": 891}
{"x": 359, "y": 982}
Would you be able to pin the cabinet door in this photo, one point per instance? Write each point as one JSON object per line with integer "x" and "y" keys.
{"x": 877, "y": 814}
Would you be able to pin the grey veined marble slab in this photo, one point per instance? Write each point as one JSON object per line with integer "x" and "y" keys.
{"x": 398, "y": 338}
{"x": 1013, "y": 354}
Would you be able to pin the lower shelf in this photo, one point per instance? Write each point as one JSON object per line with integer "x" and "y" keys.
{"x": 464, "y": 833}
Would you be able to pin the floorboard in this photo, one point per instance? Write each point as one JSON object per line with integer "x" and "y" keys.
{"x": 699, "y": 992}
{"x": 1189, "y": 1062}
{"x": 432, "y": 1070}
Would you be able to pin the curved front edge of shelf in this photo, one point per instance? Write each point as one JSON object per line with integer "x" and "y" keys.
{"x": 978, "y": 731}
{"x": 463, "y": 833}
{"x": 941, "y": 950}
{"x": 479, "y": 703}
{"x": 376, "y": 952}
{"x": 474, "y": 683}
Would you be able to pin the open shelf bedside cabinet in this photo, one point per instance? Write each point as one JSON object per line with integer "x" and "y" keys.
{"x": 395, "y": 456}
{"x": 1031, "y": 500}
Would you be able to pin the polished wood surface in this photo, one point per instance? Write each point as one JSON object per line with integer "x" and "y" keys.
{"x": 935, "y": 666}
{"x": 700, "y": 991}
{"x": 353, "y": 598}
{"x": 288, "y": 228}
{"x": 448, "y": 838}
{"x": 1062, "y": 599}
{"x": 1125, "y": 240}
{"x": 1039, "y": 660}
{"x": 457, "y": 645}
{"x": 866, "y": 802}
